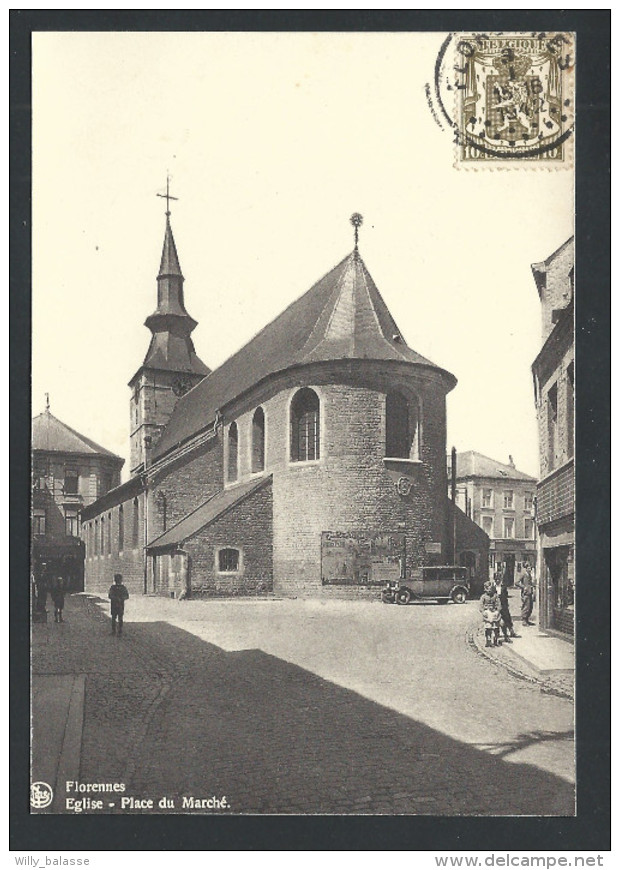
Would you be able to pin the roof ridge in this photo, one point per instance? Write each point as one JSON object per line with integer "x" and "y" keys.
{"x": 364, "y": 270}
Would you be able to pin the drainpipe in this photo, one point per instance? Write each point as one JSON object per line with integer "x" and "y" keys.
{"x": 453, "y": 495}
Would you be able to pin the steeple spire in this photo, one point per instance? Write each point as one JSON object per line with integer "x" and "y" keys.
{"x": 171, "y": 347}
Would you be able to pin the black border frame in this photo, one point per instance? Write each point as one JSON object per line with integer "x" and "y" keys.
{"x": 590, "y": 829}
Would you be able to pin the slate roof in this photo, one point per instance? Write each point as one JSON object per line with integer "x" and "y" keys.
{"x": 169, "y": 264}
{"x": 52, "y": 435}
{"x": 473, "y": 464}
{"x": 207, "y": 513}
{"x": 343, "y": 316}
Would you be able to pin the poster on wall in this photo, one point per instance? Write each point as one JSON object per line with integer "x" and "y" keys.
{"x": 361, "y": 558}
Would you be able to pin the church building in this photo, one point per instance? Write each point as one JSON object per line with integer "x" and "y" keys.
{"x": 311, "y": 462}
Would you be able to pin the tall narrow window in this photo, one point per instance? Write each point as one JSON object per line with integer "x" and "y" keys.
{"x": 487, "y": 525}
{"x": 570, "y": 410}
{"x": 233, "y": 452}
{"x": 71, "y": 481}
{"x": 136, "y": 523}
{"x": 109, "y": 524}
{"x": 509, "y": 499}
{"x": 552, "y": 425}
{"x": 258, "y": 440}
{"x": 487, "y": 498}
{"x": 305, "y": 426}
{"x": 38, "y": 522}
{"x": 509, "y": 527}
{"x": 102, "y": 548}
{"x": 71, "y": 523}
{"x": 96, "y": 539}
{"x": 121, "y": 528}
{"x": 402, "y": 427}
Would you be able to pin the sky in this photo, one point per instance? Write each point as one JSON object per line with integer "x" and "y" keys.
{"x": 272, "y": 141}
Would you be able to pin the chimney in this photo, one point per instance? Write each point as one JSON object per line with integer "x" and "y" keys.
{"x": 511, "y": 462}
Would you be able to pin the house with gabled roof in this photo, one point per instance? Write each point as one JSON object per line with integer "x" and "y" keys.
{"x": 311, "y": 462}
{"x": 69, "y": 472}
{"x": 501, "y": 500}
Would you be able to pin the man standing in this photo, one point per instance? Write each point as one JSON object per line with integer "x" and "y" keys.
{"x": 118, "y": 595}
{"x": 526, "y": 584}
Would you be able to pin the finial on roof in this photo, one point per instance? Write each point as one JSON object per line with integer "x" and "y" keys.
{"x": 167, "y": 196}
{"x": 357, "y": 220}
{"x": 47, "y": 402}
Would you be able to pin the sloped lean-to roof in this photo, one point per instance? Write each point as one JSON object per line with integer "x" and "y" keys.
{"x": 52, "y": 435}
{"x": 207, "y": 513}
{"x": 343, "y": 316}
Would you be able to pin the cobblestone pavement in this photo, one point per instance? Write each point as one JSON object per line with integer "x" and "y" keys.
{"x": 310, "y": 707}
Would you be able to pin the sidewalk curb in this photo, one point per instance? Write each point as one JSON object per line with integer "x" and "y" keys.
{"x": 545, "y": 685}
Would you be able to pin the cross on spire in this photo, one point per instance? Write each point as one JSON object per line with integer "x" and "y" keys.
{"x": 167, "y": 195}
{"x": 357, "y": 220}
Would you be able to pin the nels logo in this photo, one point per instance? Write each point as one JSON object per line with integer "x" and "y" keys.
{"x": 41, "y": 795}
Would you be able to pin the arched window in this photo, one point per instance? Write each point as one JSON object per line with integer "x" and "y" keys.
{"x": 233, "y": 452}
{"x": 121, "y": 528}
{"x": 402, "y": 425}
{"x": 258, "y": 440}
{"x": 305, "y": 426}
{"x": 136, "y": 523}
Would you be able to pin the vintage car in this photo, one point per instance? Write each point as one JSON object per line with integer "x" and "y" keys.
{"x": 441, "y": 583}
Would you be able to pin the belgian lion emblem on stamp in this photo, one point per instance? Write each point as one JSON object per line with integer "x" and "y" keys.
{"x": 508, "y": 97}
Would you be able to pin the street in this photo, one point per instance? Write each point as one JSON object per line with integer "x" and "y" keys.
{"x": 304, "y": 706}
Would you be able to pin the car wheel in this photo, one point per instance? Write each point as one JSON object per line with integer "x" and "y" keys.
{"x": 387, "y": 598}
{"x": 404, "y": 596}
{"x": 459, "y": 596}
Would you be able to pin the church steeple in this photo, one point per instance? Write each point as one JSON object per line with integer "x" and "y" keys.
{"x": 171, "y": 366}
{"x": 171, "y": 347}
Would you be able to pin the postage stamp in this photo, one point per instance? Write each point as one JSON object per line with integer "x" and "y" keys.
{"x": 512, "y": 97}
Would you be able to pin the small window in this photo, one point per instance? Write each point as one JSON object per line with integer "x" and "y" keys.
{"x": 71, "y": 481}
{"x": 38, "y": 522}
{"x": 228, "y": 560}
{"x": 487, "y": 525}
{"x": 509, "y": 527}
{"x": 102, "y": 542}
{"x": 71, "y": 524}
{"x": 509, "y": 499}
{"x": 487, "y": 498}
{"x": 528, "y": 529}
{"x": 258, "y": 440}
{"x": 305, "y": 426}
{"x": 39, "y": 478}
{"x": 233, "y": 453}
{"x": 528, "y": 501}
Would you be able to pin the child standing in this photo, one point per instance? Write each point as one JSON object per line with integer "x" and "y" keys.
{"x": 118, "y": 595}
{"x": 490, "y": 609}
{"x": 58, "y": 597}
